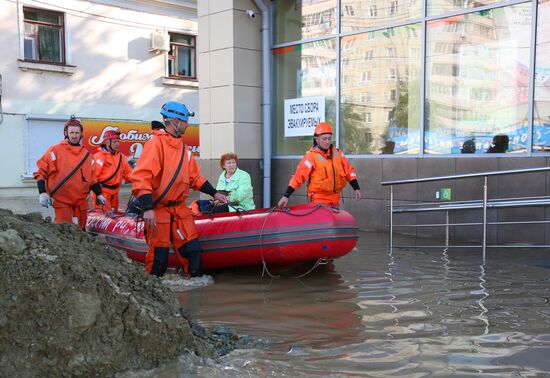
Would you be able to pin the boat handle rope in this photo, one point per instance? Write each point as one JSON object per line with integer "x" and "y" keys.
{"x": 317, "y": 206}
{"x": 320, "y": 261}
{"x": 264, "y": 264}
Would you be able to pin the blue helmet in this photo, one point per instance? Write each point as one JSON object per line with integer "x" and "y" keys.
{"x": 177, "y": 110}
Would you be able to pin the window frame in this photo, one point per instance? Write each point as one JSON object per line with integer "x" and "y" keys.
{"x": 367, "y": 117}
{"x": 174, "y": 56}
{"x": 392, "y": 11}
{"x": 373, "y": 11}
{"x": 62, "y": 27}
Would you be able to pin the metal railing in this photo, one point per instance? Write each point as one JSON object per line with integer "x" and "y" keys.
{"x": 485, "y": 203}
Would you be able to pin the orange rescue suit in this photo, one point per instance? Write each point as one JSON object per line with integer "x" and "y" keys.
{"x": 71, "y": 199}
{"x": 156, "y": 167}
{"x": 106, "y": 164}
{"x": 328, "y": 174}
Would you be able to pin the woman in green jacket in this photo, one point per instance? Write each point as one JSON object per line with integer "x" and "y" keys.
{"x": 237, "y": 182}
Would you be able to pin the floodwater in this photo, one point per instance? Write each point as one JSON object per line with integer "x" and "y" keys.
{"x": 409, "y": 313}
{"x": 375, "y": 313}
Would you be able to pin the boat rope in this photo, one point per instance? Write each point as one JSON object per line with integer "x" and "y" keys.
{"x": 320, "y": 261}
{"x": 264, "y": 264}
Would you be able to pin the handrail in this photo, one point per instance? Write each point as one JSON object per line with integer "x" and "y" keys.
{"x": 483, "y": 203}
{"x": 466, "y": 175}
{"x": 473, "y": 204}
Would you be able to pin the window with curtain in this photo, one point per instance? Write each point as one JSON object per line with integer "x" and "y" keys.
{"x": 182, "y": 57}
{"x": 43, "y": 36}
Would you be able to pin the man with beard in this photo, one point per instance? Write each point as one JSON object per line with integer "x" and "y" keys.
{"x": 165, "y": 171}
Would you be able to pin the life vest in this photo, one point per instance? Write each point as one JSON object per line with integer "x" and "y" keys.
{"x": 56, "y": 164}
{"x": 327, "y": 174}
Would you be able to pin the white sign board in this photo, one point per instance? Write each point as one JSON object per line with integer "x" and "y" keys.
{"x": 303, "y": 114}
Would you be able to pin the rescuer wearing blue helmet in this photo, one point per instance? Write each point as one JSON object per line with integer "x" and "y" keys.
{"x": 165, "y": 172}
{"x": 177, "y": 110}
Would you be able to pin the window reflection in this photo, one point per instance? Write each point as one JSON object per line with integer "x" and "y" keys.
{"x": 380, "y": 91}
{"x": 541, "y": 120}
{"x": 305, "y": 70}
{"x": 359, "y": 14}
{"x": 477, "y": 80}
{"x": 445, "y": 6}
{"x": 306, "y": 19}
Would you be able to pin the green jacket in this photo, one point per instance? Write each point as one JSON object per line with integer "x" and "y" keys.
{"x": 240, "y": 188}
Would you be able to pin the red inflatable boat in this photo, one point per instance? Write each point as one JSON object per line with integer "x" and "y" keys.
{"x": 272, "y": 236}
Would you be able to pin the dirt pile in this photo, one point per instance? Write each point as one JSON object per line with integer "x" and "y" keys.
{"x": 71, "y": 305}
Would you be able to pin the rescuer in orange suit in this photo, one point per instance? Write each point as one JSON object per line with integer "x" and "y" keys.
{"x": 66, "y": 174}
{"x": 165, "y": 171}
{"x": 111, "y": 167}
{"x": 326, "y": 168}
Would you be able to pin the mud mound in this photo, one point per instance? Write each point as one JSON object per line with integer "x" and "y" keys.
{"x": 71, "y": 305}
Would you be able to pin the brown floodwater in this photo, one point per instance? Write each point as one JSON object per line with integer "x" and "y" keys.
{"x": 409, "y": 313}
{"x": 375, "y": 313}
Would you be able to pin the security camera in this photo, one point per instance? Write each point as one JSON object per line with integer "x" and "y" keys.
{"x": 250, "y": 13}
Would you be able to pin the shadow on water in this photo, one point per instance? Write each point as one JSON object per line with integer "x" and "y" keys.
{"x": 376, "y": 313}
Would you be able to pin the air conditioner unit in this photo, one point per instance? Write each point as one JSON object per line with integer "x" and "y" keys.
{"x": 159, "y": 41}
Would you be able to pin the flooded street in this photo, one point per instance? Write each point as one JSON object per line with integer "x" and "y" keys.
{"x": 408, "y": 313}
{"x": 372, "y": 313}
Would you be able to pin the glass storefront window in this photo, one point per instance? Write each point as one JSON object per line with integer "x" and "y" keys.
{"x": 477, "y": 82}
{"x": 359, "y": 14}
{"x": 436, "y": 7}
{"x": 305, "y": 19}
{"x": 305, "y": 70}
{"x": 380, "y": 91}
{"x": 541, "y": 112}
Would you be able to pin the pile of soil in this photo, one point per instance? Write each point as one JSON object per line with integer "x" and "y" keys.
{"x": 71, "y": 305}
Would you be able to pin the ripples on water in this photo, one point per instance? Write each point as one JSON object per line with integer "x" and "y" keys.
{"x": 409, "y": 313}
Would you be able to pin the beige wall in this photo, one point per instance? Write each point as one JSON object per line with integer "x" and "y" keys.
{"x": 229, "y": 67}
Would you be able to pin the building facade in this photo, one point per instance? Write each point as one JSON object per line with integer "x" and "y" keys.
{"x": 424, "y": 88}
{"x": 110, "y": 63}
{"x": 415, "y": 88}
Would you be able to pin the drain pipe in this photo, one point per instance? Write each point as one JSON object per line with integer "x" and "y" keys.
{"x": 266, "y": 102}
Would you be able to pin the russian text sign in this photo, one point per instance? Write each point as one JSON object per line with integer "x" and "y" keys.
{"x": 303, "y": 114}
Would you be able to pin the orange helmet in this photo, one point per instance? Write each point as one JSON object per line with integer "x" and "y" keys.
{"x": 323, "y": 128}
{"x": 111, "y": 134}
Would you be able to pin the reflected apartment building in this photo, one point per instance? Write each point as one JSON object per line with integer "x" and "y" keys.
{"x": 473, "y": 93}
{"x": 417, "y": 89}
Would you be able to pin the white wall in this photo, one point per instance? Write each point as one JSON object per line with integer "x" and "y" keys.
{"x": 115, "y": 76}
